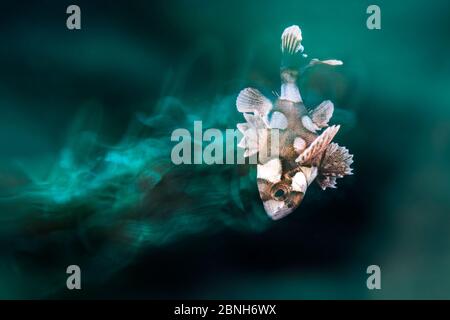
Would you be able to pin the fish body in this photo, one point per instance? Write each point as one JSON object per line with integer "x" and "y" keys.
{"x": 304, "y": 153}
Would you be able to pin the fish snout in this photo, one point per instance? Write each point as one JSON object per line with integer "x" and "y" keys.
{"x": 283, "y": 201}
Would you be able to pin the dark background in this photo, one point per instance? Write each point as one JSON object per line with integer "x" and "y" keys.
{"x": 392, "y": 96}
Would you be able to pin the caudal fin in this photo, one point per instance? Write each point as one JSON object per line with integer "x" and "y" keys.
{"x": 291, "y": 51}
{"x": 291, "y": 40}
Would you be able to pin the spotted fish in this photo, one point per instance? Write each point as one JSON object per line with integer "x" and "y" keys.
{"x": 304, "y": 137}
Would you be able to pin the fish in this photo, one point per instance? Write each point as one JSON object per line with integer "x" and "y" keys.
{"x": 304, "y": 138}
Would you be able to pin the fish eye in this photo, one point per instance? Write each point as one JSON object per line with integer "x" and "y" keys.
{"x": 279, "y": 193}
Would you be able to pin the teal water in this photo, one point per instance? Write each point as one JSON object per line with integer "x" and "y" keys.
{"x": 85, "y": 171}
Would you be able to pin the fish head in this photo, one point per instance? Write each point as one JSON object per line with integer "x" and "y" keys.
{"x": 279, "y": 199}
{"x": 281, "y": 193}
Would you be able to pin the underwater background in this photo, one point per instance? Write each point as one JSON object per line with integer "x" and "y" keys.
{"x": 85, "y": 171}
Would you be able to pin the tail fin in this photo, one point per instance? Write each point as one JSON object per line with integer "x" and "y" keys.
{"x": 291, "y": 48}
{"x": 335, "y": 164}
{"x": 291, "y": 62}
{"x": 291, "y": 40}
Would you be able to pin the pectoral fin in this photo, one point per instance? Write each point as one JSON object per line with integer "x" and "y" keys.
{"x": 335, "y": 164}
{"x": 322, "y": 114}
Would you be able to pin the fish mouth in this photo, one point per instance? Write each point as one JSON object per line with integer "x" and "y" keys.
{"x": 277, "y": 209}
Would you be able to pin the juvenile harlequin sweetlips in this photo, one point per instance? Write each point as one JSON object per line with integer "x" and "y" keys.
{"x": 305, "y": 154}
